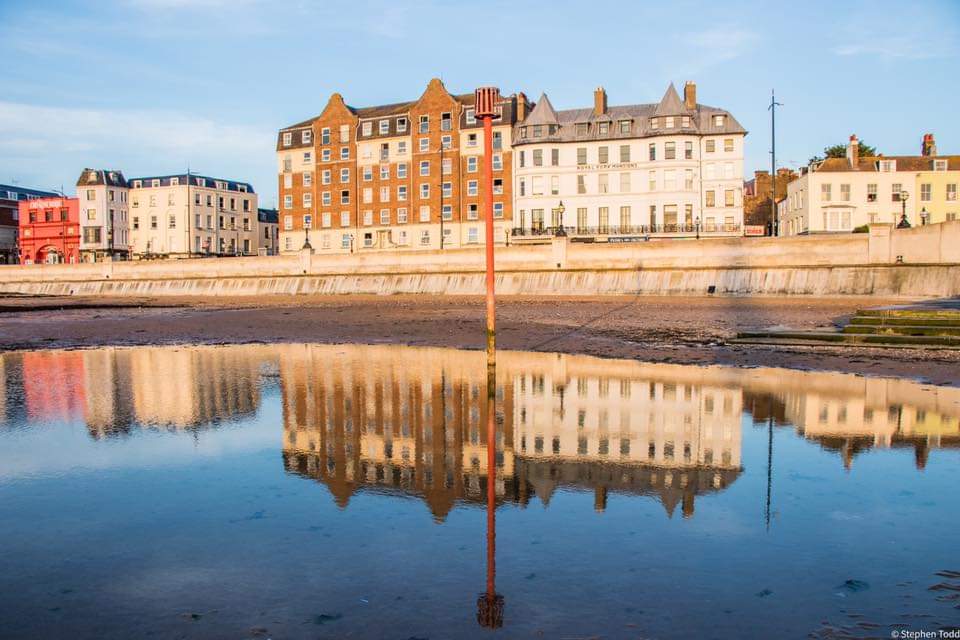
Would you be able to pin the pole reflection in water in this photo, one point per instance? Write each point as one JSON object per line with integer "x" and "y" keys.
{"x": 490, "y": 604}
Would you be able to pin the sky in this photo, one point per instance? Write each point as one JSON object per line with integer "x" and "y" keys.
{"x": 151, "y": 87}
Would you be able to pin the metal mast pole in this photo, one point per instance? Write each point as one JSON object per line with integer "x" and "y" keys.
{"x": 773, "y": 162}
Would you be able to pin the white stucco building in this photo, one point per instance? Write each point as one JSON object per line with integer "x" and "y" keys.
{"x": 104, "y": 217}
{"x": 672, "y": 169}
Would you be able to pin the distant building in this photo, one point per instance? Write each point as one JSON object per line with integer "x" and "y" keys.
{"x": 104, "y": 218}
{"x": 10, "y": 198}
{"x": 269, "y": 233}
{"x": 186, "y": 215}
{"x": 837, "y": 195}
{"x": 673, "y": 168}
{"x": 49, "y": 230}
{"x": 756, "y": 195}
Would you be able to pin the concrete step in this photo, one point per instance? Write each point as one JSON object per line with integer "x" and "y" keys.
{"x": 895, "y": 321}
{"x": 902, "y": 330}
{"x": 801, "y": 337}
{"x": 910, "y": 314}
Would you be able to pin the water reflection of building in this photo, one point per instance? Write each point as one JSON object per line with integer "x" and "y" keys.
{"x": 53, "y": 385}
{"x": 412, "y": 420}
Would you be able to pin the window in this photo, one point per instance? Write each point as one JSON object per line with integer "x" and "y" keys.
{"x": 497, "y": 210}
{"x": 604, "y": 215}
{"x": 367, "y": 174}
{"x": 307, "y": 135}
{"x": 554, "y": 185}
{"x": 710, "y": 146}
{"x": 728, "y": 198}
{"x": 581, "y": 155}
{"x": 603, "y": 128}
{"x": 402, "y": 148}
{"x": 537, "y": 186}
{"x": 603, "y": 180}
{"x": 344, "y": 153}
{"x": 895, "y": 190}
{"x": 344, "y": 218}
{"x": 424, "y": 167}
{"x": 402, "y": 170}
{"x": 624, "y": 126}
{"x": 471, "y": 164}
{"x": 498, "y": 186}
{"x": 325, "y": 155}
{"x": 685, "y": 121}
{"x": 939, "y": 165}
{"x": 367, "y": 218}
{"x": 287, "y": 139}
{"x": 472, "y": 236}
{"x": 624, "y": 153}
{"x": 425, "y": 213}
{"x": 345, "y": 197}
{"x": 287, "y": 223}
{"x": 446, "y": 190}
{"x": 711, "y": 198}
{"x": 473, "y": 212}
{"x": 951, "y": 217}
{"x": 624, "y": 217}
{"x": 325, "y": 135}
{"x": 670, "y": 180}
{"x": 952, "y": 191}
{"x": 402, "y": 215}
{"x": 728, "y": 144}
{"x": 425, "y": 237}
{"x": 472, "y": 140}
{"x": 582, "y": 128}
{"x": 384, "y": 127}
{"x": 653, "y": 151}
{"x": 925, "y": 192}
{"x": 325, "y": 220}
{"x": 581, "y": 219}
{"x": 654, "y": 123}
{"x": 603, "y": 155}
{"x": 718, "y": 121}
{"x": 652, "y": 180}
{"x": 446, "y": 123}
{"x": 470, "y": 116}
{"x": 344, "y": 133}
{"x": 581, "y": 184}
{"x": 498, "y": 162}
{"x": 554, "y": 157}
{"x": 446, "y": 142}
{"x": 171, "y": 222}
{"x": 472, "y": 188}
{"x": 888, "y": 166}
{"x": 728, "y": 170}
{"x": 825, "y": 192}
{"x": 325, "y": 197}
{"x": 325, "y": 176}
{"x": 872, "y": 192}
{"x": 522, "y": 159}
{"x": 688, "y": 150}
{"x": 845, "y": 192}
{"x": 538, "y": 157}
{"x": 446, "y": 167}
{"x": 345, "y": 174}
{"x": 384, "y": 194}
{"x": 625, "y": 182}
{"x": 688, "y": 179}
{"x": 424, "y": 145}
{"x": 446, "y": 212}
{"x": 401, "y": 125}
{"x": 307, "y": 200}
{"x": 288, "y": 202}
{"x": 670, "y": 150}
{"x": 523, "y": 187}
{"x": 424, "y": 124}
{"x": 91, "y": 214}
{"x": 424, "y": 190}
{"x": 402, "y": 193}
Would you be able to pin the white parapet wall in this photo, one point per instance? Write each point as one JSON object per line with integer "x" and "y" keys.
{"x": 922, "y": 261}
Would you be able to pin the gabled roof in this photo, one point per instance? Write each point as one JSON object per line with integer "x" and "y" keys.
{"x": 543, "y": 112}
{"x": 871, "y": 163}
{"x": 670, "y": 104}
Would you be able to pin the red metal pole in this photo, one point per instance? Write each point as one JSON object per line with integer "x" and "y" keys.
{"x": 491, "y": 483}
{"x": 488, "y": 215}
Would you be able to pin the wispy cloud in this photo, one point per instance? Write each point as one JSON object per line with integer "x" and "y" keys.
{"x": 902, "y": 47}
{"x": 720, "y": 44}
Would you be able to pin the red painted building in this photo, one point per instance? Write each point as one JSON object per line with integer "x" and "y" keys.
{"x": 50, "y": 230}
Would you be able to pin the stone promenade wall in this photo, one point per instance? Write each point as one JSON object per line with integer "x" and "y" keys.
{"x": 922, "y": 261}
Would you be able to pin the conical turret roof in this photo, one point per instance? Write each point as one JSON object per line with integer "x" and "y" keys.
{"x": 670, "y": 104}
{"x": 543, "y": 112}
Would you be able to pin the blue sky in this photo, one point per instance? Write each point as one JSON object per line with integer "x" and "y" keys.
{"x": 148, "y": 86}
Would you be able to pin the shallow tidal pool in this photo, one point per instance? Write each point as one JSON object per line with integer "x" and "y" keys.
{"x": 344, "y": 491}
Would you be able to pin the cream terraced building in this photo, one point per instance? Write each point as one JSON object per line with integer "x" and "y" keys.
{"x": 103, "y": 195}
{"x": 615, "y": 173}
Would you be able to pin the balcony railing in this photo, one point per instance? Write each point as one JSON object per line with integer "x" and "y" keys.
{"x": 617, "y": 230}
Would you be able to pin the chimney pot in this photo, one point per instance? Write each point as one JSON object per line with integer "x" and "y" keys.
{"x": 521, "y": 106}
{"x": 690, "y": 95}
{"x": 853, "y": 152}
{"x": 599, "y": 101}
{"x": 929, "y": 147}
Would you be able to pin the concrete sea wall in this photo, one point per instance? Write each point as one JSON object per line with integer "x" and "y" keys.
{"x": 916, "y": 262}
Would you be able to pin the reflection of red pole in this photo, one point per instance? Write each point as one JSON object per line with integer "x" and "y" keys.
{"x": 491, "y": 482}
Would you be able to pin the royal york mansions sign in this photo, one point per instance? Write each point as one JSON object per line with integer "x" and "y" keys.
{"x": 608, "y": 167}
{"x": 45, "y": 203}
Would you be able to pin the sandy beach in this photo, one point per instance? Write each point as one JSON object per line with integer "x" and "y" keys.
{"x": 682, "y": 330}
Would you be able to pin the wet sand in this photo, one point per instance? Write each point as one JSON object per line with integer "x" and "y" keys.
{"x": 681, "y": 330}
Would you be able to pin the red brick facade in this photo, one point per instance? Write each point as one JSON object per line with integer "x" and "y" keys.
{"x": 49, "y": 230}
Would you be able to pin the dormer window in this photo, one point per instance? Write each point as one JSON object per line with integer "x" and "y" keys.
{"x": 582, "y": 128}
{"x": 154, "y": 183}
{"x": 287, "y": 139}
{"x": 471, "y": 116}
{"x": 718, "y": 120}
{"x": 307, "y": 135}
{"x": 668, "y": 122}
{"x": 401, "y": 125}
{"x": 939, "y": 165}
{"x": 654, "y": 123}
{"x": 537, "y": 130}
{"x": 603, "y": 128}
{"x": 384, "y": 127}
{"x": 552, "y": 129}
{"x": 523, "y": 132}
{"x": 174, "y": 182}
{"x": 366, "y": 128}
{"x": 92, "y": 176}
{"x": 685, "y": 121}
{"x": 201, "y": 182}
{"x": 137, "y": 184}
{"x": 624, "y": 126}
{"x": 888, "y": 166}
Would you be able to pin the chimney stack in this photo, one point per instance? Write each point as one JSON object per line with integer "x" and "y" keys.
{"x": 929, "y": 147}
{"x": 599, "y": 101}
{"x": 690, "y": 95}
{"x": 853, "y": 152}
{"x": 521, "y": 106}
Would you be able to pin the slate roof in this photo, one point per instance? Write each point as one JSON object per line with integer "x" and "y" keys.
{"x": 194, "y": 180}
{"x": 639, "y": 115}
{"x": 93, "y": 177}
{"x": 22, "y": 193}
{"x": 872, "y": 163}
{"x": 268, "y": 215}
{"x": 543, "y": 112}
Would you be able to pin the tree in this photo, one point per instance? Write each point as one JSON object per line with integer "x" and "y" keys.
{"x": 840, "y": 151}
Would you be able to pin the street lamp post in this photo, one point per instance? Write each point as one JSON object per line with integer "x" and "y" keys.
{"x": 904, "y": 223}
{"x": 924, "y": 216}
{"x": 559, "y": 229}
{"x": 697, "y": 225}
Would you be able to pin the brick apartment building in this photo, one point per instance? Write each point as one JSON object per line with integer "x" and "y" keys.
{"x": 396, "y": 176}
{"x": 49, "y": 230}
